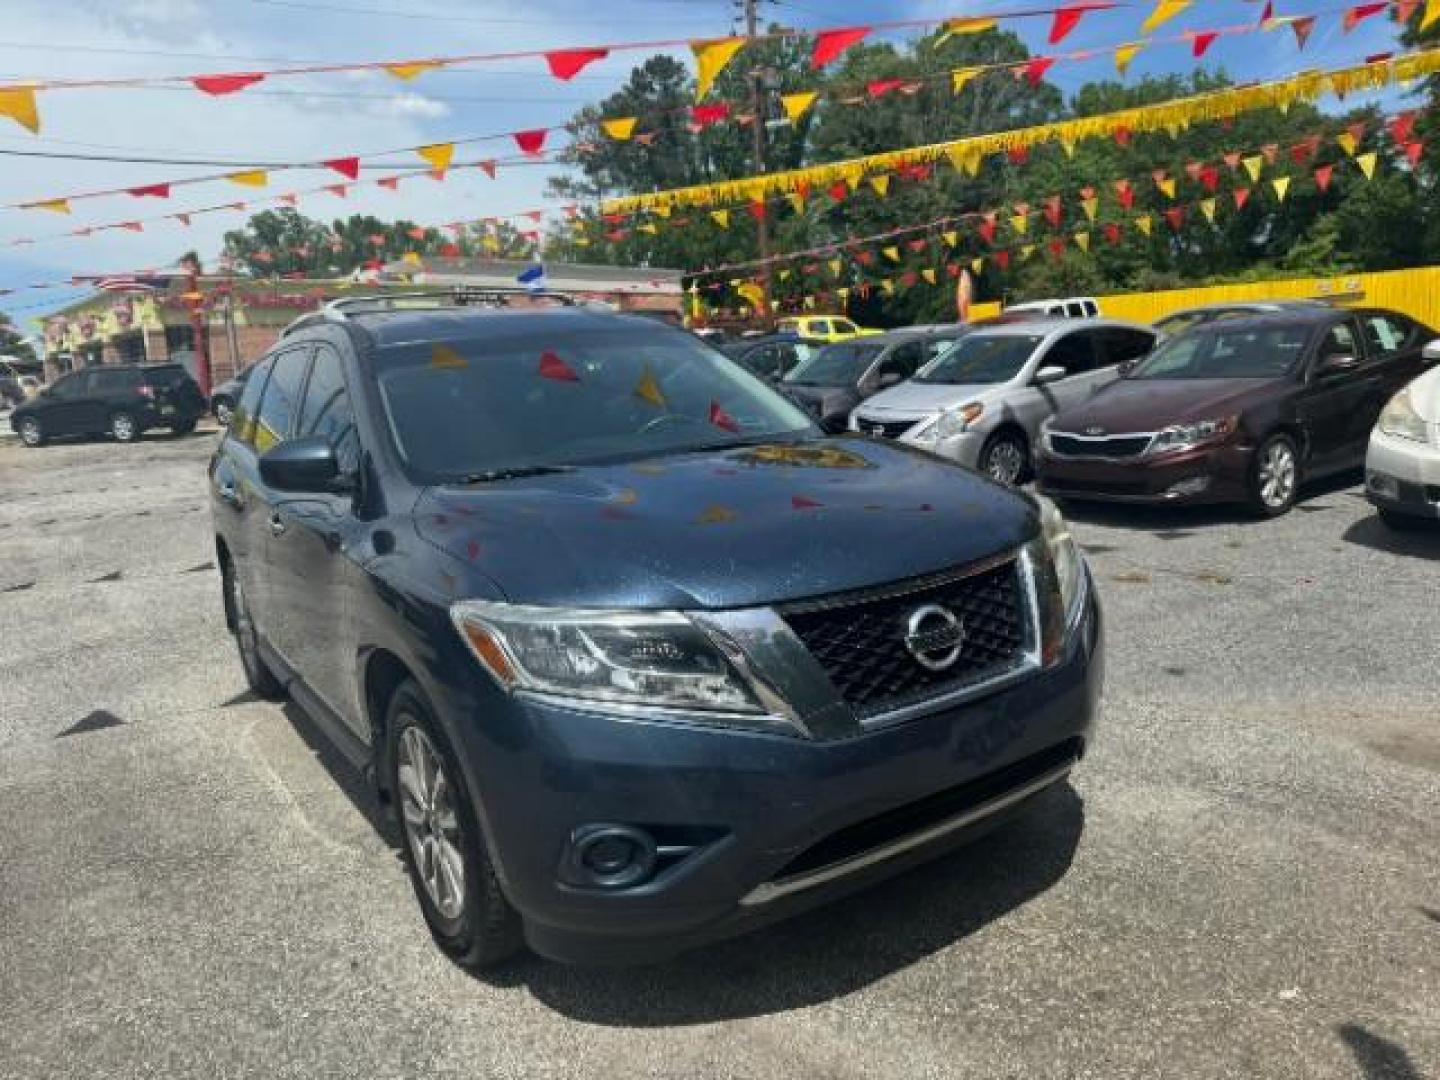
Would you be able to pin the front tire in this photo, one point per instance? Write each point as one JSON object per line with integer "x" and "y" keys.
{"x": 453, "y": 877}
{"x": 124, "y": 427}
{"x": 257, "y": 673}
{"x": 1274, "y": 477}
{"x": 31, "y": 433}
{"x": 1005, "y": 458}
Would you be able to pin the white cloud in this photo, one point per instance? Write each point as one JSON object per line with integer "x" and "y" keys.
{"x": 410, "y": 104}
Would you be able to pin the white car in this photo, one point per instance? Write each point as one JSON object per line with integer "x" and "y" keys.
{"x": 1402, "y": 466}
{"x": 982, "y": 401}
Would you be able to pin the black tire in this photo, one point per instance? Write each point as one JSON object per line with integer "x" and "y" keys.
{"x": 485, "y": 929}
{"x": 31, "y": 433}
{"x": 223, "y": 410}
{"x": 258, "y": 676}
{"x": 124, "y": 427}
{"x": 1400, "y": 522}
{"x": 1005, "y": 457}
{"x": 184, "y": 427}
{"x": 1272, "y": 499}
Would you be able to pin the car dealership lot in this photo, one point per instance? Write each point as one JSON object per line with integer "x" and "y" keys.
{"x": 1243, "y": 879}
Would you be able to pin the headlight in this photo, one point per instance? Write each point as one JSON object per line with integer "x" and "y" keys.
{"x": 1184, "y": 436}
{"x": 1059, "y": 579}
{"x": 1400, "y": 419}
{"x": 657, "y": 659}
{"x": 950, "y": 423}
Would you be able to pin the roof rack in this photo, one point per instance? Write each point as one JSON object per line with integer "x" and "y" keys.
{"x": 457, "y": 296}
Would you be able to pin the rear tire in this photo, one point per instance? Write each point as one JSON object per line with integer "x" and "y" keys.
{"x": 450, "y": 870}
{"x": 31, "y": 433}
{"x": 124, "y": 427}
{"x": 257, "y": 673}
{"x": 1005, "y": 458}
{"x": 1274, "y": 477}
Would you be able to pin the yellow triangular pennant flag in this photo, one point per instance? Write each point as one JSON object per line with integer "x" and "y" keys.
{"x": 1367, "y": 164}
{"x": 710, "y": 59}
{"x": 647, "y": 227}
{"x": 888, "y": 286}
{"x": 55, "y": 206}
{"x": 928, "y": 274}
{"x": 1090, "y": 206}
{"x": 442, "y": 356}
{"x": 648, "y": 389}
{"x": 1253, "y": 165}
{"x": 1143, "y": 223}
{"x": 1282, "y": 186}
{"x": 1126, "y": 53}
{"x": 973, "y": 25}
{"x": 951, "y": 238}
{"x": 721, "y": 218}
{"x": 881, "y": 184}
{"x": 1167, "y": 186}
{"x": 796, "y": 105}
{"x": 411, "y": 70}
{"x": 1082, "y": 241}
{"x": 785, "y": 275}
{"x": 1347, "y": 142}
{"x": 1207, "y": 207}
{"x": 1432, "y": 12}
{"x": 411, "y": 257}
{"x": 662, "y": 210}
{"x": 438, "y": 154}
{"x": 796, "y": 201}
{"x": 836, "y": 265}
{"x": 977, "y": 265}
{"x": 18, "y": 103}
{"x": 1027, "y": 251}
{"x": 1068, "y": 145}
{"x": 1020, "y": 223}
{"x": 809, "y": 303}
{"x": 620, "y": 128}
{"x": 1165, "y": 10}
{"x": 960, "y": 78}
{"x": 250, "y": 178}
{"x": 892, "y": 253}
{"x": 843, "y": 294}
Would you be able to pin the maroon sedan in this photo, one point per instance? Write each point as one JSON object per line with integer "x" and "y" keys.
{"x": 1242, "y": 410}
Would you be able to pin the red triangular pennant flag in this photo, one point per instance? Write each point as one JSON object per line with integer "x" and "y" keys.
{"x": 1066, "y": 19}
{"x": 1360, "y": 12}
{"x": 156, "y": 191}
{"x": 1210, "y": 177}
{"x": 1037, "y": 67}
{"x": 391, "y": 182}
{"x": 1302, "y": 28}
{"x": 567, "y": 63}
{"x": 1201, "y": 42}
{"x": 346, "y": 166}
{"x": 705, "y": 115}
{"x": 986, "y": 229}
{"x": 878, "y": 88}
{"x": 1122, "y": 136}
{"x": 1002, "y": 259}
{"x": 218, "y": 85}
{"x": 1322, "y": 176}
{"x": 488, "y": 168}
{"x": 184, "y": 219}
{"x": 1176, "y": 217}
{"x": 338, "y": 190}
{"x": 1233, "y": 161}
{"x": 1401, "y": 127}
{"x": 1413, "y": 152}
{"x": 1112, "y": 233}
{"x": 829, "y": 44}
{"x": 1242, "y": 196}
{"x": 552, "y": 367}
{"x": 1052, "y": 211}
{"x": 721, "y": 419}
{"x": 1126, "y": 193}
{"x": 531, "y": 142}
{"x": 838, "y": 190}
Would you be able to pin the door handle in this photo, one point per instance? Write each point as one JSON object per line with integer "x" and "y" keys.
{"x": 277, "y": 525}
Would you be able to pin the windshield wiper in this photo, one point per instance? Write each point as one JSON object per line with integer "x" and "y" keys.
{"x": 516, "y": 473}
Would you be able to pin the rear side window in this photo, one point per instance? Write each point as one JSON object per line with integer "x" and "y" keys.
{"x": 242, "y": 422}
{"x": 70, "y": 386}
{"x": 1073, "y": 352}
{"x": 1386, "y": 335}
{"x": 1075, "y": 310}
{"x": 326, "y": 410}
{"x": 1339, "y": 340}
{"x": 281, "y": 403}
{"x": 1122, "y": 346}
{"x": 113, "y": 382}
{"x": 168, "y": 375}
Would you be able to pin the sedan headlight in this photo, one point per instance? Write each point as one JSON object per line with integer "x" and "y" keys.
{"x": 950, "y": 423}
{"x": 1060, "y": 579}
{"x": 1184, "y": 436}
{"x": 1400, "y": 419}
{"x": 619, "y": 658}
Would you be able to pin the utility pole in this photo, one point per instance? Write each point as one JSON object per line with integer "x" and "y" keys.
{"x": 757, "y": 129}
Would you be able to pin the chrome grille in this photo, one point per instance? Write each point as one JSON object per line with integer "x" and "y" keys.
{"x": 1064, "y": 444}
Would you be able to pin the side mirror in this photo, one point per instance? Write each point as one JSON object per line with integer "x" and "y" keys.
{"x": 306, "y": 465}
{"x": 1338, "y": 364}
{"x": 890, "y": 378}
{"x": 1431, "y": 351}
{"x": 1050, "y": 373}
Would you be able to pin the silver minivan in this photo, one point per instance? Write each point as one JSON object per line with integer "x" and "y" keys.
{"x": 982, "y": 401}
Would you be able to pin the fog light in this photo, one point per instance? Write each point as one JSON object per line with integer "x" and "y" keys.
{"x": 1194, "y": 486}
{"x": 609, "y": 857}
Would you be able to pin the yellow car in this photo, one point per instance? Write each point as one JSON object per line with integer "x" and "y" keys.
{"x": 824, "y": 328}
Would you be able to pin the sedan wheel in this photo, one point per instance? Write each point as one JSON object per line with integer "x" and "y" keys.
{"x": 432, "y": 827}
{"x": 1276, "y": 477}
{"x": 1004, "y": 459}
{"x": 123, "y": 427}
{"x": 31, "y": 433}
{"x": 223, "y": 413}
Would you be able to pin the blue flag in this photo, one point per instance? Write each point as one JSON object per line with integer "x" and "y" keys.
{"x": 533, "y": 278}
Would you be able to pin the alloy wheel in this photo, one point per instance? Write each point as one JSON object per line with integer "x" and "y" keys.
{"x": 122, "y": 426}
{"x": 432, "y": 825}
{"x": 30, "y": 433}
{"x": 223, "y": 413}
{"x": 1276, "y": 475}
{"x": 244, "y": 628}
{"x": 1005, "y": 462}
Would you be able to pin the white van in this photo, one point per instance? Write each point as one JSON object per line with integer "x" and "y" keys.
{"x": 1074, "y": 307}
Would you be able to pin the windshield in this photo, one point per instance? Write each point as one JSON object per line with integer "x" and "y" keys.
{"x": 835, "y": 365}
{"x": 466, "y": 408}
{"x": 981, "y": 358}
{"x": 1226, "y": 354}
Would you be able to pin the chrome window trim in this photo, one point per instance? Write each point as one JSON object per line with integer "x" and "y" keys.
{"x": 773, "y": 890}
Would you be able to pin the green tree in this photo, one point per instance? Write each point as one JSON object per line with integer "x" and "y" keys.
{"x": 12, "y": 341}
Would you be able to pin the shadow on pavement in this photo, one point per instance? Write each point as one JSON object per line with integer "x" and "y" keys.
{"x": 831, "y": 951}
{"x": 1378, "y": 1058}
{"x": 1158, "y": 518}
{"x": 347, "y": 778}
{"x": 1420, "y": 543}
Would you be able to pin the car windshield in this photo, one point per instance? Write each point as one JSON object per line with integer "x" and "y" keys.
{"x": 496, "y": 405}
{"x": 835, "y": 365}
{"x": 1259, "y": 353}
{"x": 981, "y": 358}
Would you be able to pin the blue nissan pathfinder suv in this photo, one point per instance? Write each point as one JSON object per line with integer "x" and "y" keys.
{"x": 637, "y": 655}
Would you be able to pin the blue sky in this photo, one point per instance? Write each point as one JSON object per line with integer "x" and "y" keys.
{"x": 316, "y": 117}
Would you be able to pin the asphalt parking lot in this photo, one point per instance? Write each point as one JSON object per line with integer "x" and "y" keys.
{"x": 1244, "y": 879}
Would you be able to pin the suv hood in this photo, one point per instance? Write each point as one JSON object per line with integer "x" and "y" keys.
{"x": 1153, "y": 404}
{"x": 734, "y": 528}
{"x": 922, "y": 399}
